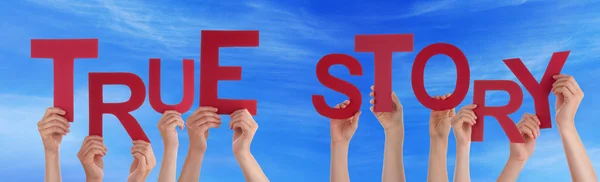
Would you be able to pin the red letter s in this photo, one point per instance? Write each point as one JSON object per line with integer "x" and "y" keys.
{"x": 338, "y": 85}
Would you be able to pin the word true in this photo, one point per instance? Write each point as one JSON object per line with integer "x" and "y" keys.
{"x": 65, "y": 51}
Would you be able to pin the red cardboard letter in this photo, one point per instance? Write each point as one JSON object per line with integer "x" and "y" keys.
{"x": 338, "y": 85}
{"x": 211, "y": 72}
{"x": 463, "y": 76}
{"x": 383, "y": 46}
{"x": 64, "y": 52}
{"x": 539, "y": 91}
{"x": 120, "y": 110}
{"x": 188, "y": 87}
{"x": 500, "y": 113}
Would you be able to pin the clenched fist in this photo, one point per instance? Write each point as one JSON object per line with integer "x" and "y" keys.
{"x": 389, "y": 120}
{"x": 568, "y": 97}
{"x": 462, "y": 123}
{"x": 91, "y": 153}
{"x": 439, "y": 121}
{"x": 244, "y": 127}
{"x": 529, "y": 126}
{"x": 52, "y": 127}
{"x": 166, "y": 126}
{"x": 143, "y": 161}
{"x": 198, "y": 124}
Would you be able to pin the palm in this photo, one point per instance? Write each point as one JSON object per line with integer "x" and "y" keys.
{"x": 95, "y": 164}
{"x": 522, "y": 151}
{"x": 389, "y": 119}
{"x": 53, "y": 141}
{"x": 440, "y": 123}
{"x": 341, "y": 129}
{"x": 238, "y": 139}
{"x": 463, "y": 133}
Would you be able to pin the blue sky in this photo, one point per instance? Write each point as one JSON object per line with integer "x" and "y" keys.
{"x": 292, "y": 143}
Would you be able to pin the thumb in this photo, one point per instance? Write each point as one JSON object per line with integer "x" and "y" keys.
{"x": 355, "y": 119}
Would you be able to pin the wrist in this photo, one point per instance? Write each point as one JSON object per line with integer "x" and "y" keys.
{"x": 242, "y": 154}
{"x": 93, "y": 179}
{"x": 194, "y": 147}
{"x": 337, "y": 144}
{"x": 171, "y": 145}
{"x": 566, "y": 127}
{"x": 395, "y": 132}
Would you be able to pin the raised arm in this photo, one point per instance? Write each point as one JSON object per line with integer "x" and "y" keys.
{"x": 568, "y": 97}
{"x": 529, "y": 126}
{"x": 244, "y": 127}
{"x": 91, "y": 153}
{"x": 393, "y": 124}
{"x": 439, "y": 129}
{"x": 166, "y": 126}
{"x": 461, "y": 125}
{"x": 143, "y": 161}
{"x": 198, "y": 124}
{"x": 341, "y": 131}
{"x": 52, "y": 127}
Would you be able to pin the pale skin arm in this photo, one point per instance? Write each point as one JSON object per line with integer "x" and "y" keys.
{"x": 244, "y": 128}
{"x": 52, "y": 128}
{"x": 439, "y": 129}
{"x": 341, "y": 131}
{"x": 167, "y": 127}
{"x": 393, "y": 125}
{"x": 529, "y": 126}
{"x": 198, "y": 124}
{"x": 568, "y": 97}
{"x": 461, "y": 124}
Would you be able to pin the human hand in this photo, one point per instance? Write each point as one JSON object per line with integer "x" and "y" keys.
{"x": 198, "y": 124}
{"x": 389, "y": 120}
{"x": 244, "y": 127}
{"x": 439, "y": 121}
{"x": 166, "y": 126}
{"x": 91, "y": 153}
{"x": 462, "y": 123}
{"x": 529, "y": 126}
{"x": 52, "y": 128}
{"x": 568, "y": 97}
{"x": 342, "y": 130}
{"x": 143, "y": 161}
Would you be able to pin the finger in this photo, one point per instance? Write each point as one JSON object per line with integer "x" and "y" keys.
{"x": 566, "y": 83}
{"x": 372, "y": 94}
{"x": 54, "y": 110}
{"x": 396, "y": 100}
{"x": 469, "y": 107}
{"x": 536, "y": 119}
{"x": 141, "y": 160}
{"x": 355, "y": 119}
{"x": 55, "y": 123}
{"x": 93, "y": 144}
{"x": 205, "y": 109}
{"x": 468, "y": 112}
{"x": 345, "y": 103}
{"x": 95, "y": 152}
{"x": 372, "y": 101}
{"x": 371, "y": 108}
{"x": 244, "y": 118}
{"x": 210, "y": 125}
{"x": 372, "y": 87}
{"x": 528, "y": 129}
{"x": 54, "y": 117}
{"x": 564, "y": 91}
{"x": 53, "y": 130}
{"x": 243, "y": 126}
{"x": 202, "y": 114}
{"x": 174, "y": 121}
{"x": 172, "y": 112}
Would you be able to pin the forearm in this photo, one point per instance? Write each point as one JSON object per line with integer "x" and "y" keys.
{"x": 393, "y": 166}
{"x": 461, "y": 168}
{"x": 250, "y": 168}
{"x": 339, "y": 162}
{"x": 168, "y": 169}
{"x": 52, "y": 167}
{"x": 511, "y": 170}
{"x": 579, "y": 163}
{"x": 192, "y": 165}
{"x": 438, "y": 148}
